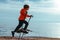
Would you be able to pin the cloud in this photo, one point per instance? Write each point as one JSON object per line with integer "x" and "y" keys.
{"x": 6, "y": 1}
{"x": 18, "y": 0}
{"x": 42, "y": 5}
{"x": 27, "y": 0}
{"x": 35, "y": 0}
{"x": 3, "y": 1}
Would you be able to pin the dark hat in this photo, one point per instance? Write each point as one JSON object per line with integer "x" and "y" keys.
{"x": 26, "y": 6}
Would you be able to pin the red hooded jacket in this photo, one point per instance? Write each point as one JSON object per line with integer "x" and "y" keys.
{"x": 23, "y": 14}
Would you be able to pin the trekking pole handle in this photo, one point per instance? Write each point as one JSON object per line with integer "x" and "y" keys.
{"x": 30, "y": 18}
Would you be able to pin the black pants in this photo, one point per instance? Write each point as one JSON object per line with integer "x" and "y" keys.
{"x": 21, "y": 22}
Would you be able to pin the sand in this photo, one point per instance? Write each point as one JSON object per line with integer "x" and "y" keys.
{"x": 28, "y": 38}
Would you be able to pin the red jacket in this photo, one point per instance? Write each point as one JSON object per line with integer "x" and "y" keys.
{"x": 23, "y": 14}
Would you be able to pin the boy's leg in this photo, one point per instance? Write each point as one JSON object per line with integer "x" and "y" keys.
{"x": 19, "y": 26}
{"x": 26, "y": 25}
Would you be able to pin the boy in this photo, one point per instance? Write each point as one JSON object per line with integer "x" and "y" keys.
{"x": 22, "y": 17}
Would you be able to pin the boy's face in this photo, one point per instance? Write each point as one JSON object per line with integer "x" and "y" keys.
{"x": 27, "y": 8}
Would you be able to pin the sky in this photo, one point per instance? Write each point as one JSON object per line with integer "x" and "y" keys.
{"x": 44, "y": 5}
{"x": 46, "y": 14}
{"x": 49, "y": 7}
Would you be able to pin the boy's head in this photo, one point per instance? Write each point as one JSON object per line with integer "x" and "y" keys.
{"x": 26, "y": 7}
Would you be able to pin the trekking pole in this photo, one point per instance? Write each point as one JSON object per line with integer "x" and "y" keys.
{"x": 24, "y": 33}
{"x": 19, "y": 36}
{"x": 29, "y": 19}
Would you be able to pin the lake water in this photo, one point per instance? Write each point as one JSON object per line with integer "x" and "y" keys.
{"x": 41, "y": 24}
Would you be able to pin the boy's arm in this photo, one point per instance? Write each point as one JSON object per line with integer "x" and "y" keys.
{"x": 28, "y": 16}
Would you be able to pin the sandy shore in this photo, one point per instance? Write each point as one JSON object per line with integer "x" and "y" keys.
{"x": 28, "y": 38}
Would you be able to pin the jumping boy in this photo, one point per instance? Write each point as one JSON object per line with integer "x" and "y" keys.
{"x": 22, "y": 17}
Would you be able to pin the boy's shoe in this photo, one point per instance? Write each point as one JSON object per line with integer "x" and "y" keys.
{"x": 12, "y": 33}
{"x": 24, "y": 31}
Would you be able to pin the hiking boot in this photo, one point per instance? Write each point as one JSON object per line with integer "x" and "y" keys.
{"x": 12, "y": 33}
{"x": 25, "y": 32}
{"x": 22, "y": 30}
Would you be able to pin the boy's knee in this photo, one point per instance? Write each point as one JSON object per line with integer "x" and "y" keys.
{"x": 27, "y": 23}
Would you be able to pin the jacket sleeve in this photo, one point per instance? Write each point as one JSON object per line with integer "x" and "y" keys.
{"x": 28, "y": 16}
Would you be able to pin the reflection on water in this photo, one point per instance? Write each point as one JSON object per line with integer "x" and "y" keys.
{"x": 44, "y": 25}
{"x": 38, "y": 28}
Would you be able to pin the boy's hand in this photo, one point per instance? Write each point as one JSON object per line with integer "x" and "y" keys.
{"x": 31, "y": 15}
